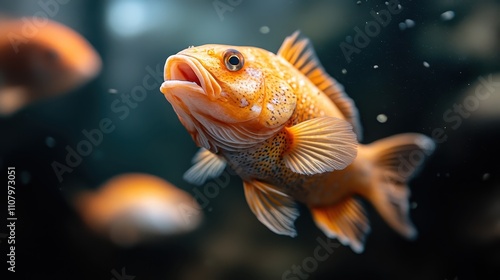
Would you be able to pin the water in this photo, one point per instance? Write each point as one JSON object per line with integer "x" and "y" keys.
{"x": 410, "y": 71}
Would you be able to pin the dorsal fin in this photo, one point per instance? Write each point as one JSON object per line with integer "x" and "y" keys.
{"x": 300, "y": 53}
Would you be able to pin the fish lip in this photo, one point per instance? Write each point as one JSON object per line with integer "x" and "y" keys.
{"x": 182, "y": 69}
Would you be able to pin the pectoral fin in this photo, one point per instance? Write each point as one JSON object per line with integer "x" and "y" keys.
{"x": 206, "y": 165}
{"x": 273, "y": 208}
{"x": 320, "y": 145}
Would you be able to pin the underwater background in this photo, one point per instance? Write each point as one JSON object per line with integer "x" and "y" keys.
{"x": 410, "y": 73}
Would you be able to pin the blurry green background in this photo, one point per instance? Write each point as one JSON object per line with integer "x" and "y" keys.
{"x": 455, "y": 199}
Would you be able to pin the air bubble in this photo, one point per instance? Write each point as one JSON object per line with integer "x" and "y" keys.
{"x": 264, "y": 29}
{"x": 448, "y": 15}
{"x": 381, "y": 118}
{"x": 50, "y": 142}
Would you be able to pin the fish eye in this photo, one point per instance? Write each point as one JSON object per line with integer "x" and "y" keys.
{"x": 233, "y": 60}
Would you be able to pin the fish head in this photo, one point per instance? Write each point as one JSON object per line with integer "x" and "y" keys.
{"x": 228, "y": 97}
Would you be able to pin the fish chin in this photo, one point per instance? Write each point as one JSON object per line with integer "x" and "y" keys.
{"x": 208, "y": 122}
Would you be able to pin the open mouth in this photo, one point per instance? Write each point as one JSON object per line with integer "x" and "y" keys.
{"x": 186, "y": 71}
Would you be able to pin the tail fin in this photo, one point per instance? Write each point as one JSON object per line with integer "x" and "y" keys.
{"x": 396, "y": 160}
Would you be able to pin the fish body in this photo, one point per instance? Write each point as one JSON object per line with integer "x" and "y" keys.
{"x": 134, "y": 207}
{"x": 292, "y": 134}
{"x": 40, "y": 58}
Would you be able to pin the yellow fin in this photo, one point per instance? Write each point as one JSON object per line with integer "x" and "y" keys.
{"x": 345, "y": 221}
{"x": 206, "y": 165}
{"x": 396, "y": 159}
{"x": 300, "y": 53}
{"x": 320, "y": 145}
{"x": 276, "y": 210}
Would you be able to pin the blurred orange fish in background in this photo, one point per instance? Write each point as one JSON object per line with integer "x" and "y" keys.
{"x": 291, "y": 133}
{"x": 40, "y": 58}
{"x": 133, "y": 208}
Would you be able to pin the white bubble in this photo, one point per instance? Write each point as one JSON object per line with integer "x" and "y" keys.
{"x": 486, "y": 176}
{"x": 344, "y": 71}
{"x": 409, "y": 23}
{"x": 381, "y": 118}
{"x": 50, "y": 142}
{"x": 112, "y": 91}
{"x": 264, "y": 29}
{"x": 426, "y": 64}
{"x": 375, "y": 66}
{"x": 448, "y": 15}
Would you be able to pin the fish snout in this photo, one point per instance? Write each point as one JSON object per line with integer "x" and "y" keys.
{"x": 183, "y": 70}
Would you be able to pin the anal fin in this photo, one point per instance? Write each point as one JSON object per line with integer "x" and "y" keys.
{"x": 276, "y": 210}
{"x": 345, "y": 221}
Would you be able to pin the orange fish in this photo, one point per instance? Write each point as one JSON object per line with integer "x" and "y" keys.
{"x": 134, "y": 207}
{"x": 291, "y": 133}
{"x": 41, "y": 58}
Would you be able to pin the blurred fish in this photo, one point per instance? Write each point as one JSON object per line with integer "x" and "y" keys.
{"x": 290, "y": 132}
{"x": 132, "y": 208}
{"x": 40, "y": 58}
